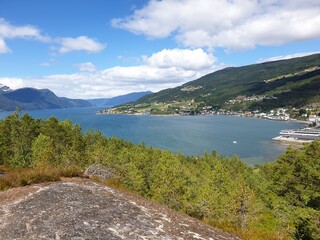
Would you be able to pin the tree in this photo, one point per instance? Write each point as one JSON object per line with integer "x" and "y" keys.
{"x": 296, "y": 175}
{"x": 295, "y": 178}
{"x": 95, "y": 148}
{"x": 243, "y": 204}
{"x": 134, "y": 178}
{"x": 167, "y": 181}
{"x": 16, "y": 139}
{"x": 43, "y": 152}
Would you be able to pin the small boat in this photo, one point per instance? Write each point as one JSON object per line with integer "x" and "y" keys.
{"x": 234, "y": 141}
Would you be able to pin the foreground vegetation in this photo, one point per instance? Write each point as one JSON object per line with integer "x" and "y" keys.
{"x": 280, "y": 200}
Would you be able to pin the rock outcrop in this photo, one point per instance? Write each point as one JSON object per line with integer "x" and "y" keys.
{"x": 99, "y": 171}
{"x": 78, "y": 209}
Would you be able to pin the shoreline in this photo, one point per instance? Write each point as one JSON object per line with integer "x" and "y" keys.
{"x": 178, "y": 115}
{"x": 299, "y": 121}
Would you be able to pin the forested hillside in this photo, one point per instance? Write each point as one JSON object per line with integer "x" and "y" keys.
{"x": 30, "y": 98}
{"x": 280, "y": 200}
{"x": 285, "y": 83}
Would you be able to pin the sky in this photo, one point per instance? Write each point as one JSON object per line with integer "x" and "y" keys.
{"x": 99, "y": 49}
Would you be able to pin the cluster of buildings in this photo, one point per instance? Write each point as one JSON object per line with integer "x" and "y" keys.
{"x": 240, "y": 99}
{"x": 192, "y": 108}
{"x": 278, "y": 114}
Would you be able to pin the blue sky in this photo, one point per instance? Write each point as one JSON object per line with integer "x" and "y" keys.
{"x": 98, "y": 48}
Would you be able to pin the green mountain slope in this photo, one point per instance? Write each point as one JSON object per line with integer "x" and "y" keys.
{"x": 294, "y": 82}
{"x": 30, "y": 99}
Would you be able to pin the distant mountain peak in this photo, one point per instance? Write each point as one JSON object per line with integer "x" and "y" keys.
{"x": 31, "y": 98}
{"x": 122, "y": 99}
{"x": 4, "y": 88}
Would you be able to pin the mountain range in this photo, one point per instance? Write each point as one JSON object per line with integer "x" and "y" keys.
{"x": 285, "y": 83}
{"x": 30, "y": 98}
{"x": 110, "y": 102}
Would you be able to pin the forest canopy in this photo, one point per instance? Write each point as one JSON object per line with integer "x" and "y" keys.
{"x": 280, "y": 200}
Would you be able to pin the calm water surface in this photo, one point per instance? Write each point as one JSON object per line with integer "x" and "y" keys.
{"x": 189, "y": 135}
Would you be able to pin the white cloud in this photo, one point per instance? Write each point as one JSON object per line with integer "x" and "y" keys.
{"x": 86, "y": 67}
{"x": 82, "y": 43}
{"x": 164, "y": 69}
{"x": 3, "y": 47}
{"x": 13, "y": 83}
{"x": 7, "y": 30}
{"x": 237, "y": 24}
{"x": 182, "y": 58}
{"x": 284, "y": 57}
{"x": 148, "y": 74}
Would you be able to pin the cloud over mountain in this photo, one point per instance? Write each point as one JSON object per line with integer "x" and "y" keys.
{"x": 164, "y": 69}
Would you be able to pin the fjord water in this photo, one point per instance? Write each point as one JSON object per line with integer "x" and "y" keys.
{"x": 249, "y": 138}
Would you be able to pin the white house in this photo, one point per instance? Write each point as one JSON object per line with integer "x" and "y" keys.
{"x": 314, "y": 118}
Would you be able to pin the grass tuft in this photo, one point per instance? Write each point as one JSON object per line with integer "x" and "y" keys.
{"x": 27, "y": 176}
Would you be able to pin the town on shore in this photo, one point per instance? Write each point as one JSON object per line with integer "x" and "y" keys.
{"x": 308, "y": 115}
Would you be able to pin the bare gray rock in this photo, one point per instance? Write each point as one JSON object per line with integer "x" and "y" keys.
{"x": 79, "y": 209}
{"x": 99, "y": 171}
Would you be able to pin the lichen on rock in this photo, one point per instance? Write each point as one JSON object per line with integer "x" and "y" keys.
{"x": 82, "y": 209}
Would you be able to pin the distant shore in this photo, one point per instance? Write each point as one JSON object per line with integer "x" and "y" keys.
{"x": 299, "y": 121}
{"x": 211, "y": 114}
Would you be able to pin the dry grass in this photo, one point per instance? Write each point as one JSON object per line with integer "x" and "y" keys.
{"x": 22, "y": 177}
{"x": 251, "y": 233}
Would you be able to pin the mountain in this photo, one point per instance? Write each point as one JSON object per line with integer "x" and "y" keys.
{"x": 4, "y": 88}
{"x": 82, "y": 209}
{"x": 110, "y": 102}
{"x": 30, "y": 98}
{"x": 286, "y": 83}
